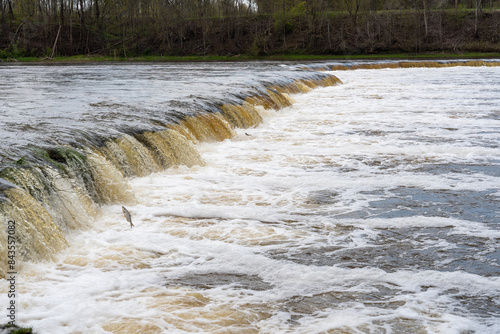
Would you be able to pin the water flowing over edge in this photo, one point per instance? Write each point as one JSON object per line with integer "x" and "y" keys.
{"x": 59, "y": 189}
{"x": 402, "y": 64}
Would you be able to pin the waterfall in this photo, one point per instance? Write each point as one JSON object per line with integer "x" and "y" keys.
{"x": 60, "y": 188}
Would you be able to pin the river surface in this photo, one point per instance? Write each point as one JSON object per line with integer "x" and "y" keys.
{"x": 82, "y": 104}
{"x": 367, "y": 207}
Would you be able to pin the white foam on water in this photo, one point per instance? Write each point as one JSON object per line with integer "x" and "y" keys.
{"x": 342, "y": 213}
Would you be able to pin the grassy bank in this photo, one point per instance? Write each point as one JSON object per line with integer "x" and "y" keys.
{"x": 281, "y": 57}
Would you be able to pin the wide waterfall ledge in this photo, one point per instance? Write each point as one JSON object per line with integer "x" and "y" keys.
{"x": 53, "y": 190}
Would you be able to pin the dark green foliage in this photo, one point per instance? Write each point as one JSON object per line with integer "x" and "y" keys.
{"x": 14, "y": 329}
{"x": 12, "y": 51}
{"x": 45, "y": 157}
{"x": 258, "y": 46}
{"x": 22, "y": 331}
{"x": 21, "y": 161}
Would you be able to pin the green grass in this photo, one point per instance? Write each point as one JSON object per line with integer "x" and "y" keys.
{"x": 282, "y": 57}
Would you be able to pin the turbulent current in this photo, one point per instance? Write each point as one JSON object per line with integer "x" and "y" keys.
{"x": 265, "y": 198}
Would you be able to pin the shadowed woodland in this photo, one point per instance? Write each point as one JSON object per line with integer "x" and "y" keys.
{"x": 128, "y": 28}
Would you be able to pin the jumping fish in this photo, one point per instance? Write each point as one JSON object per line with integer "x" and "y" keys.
{"x": 128, "y": 216}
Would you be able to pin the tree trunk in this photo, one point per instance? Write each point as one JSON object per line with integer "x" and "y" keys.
{"x": 9, "y": 2}
{"x": 476, "y": 18}
{"x": 97, "y": 12}
{"x": 55, "y": 42}
{"x": 61, "y": 12}
{"x": 425, "y": 17}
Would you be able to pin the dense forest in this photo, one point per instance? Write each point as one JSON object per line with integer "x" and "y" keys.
{"x": 127, "y": 28}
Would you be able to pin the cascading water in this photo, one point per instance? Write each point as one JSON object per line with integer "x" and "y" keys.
{"x": 103, "y": 142}
{"x": 347, "y": 213}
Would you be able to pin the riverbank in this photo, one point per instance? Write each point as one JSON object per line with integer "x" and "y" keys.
{"x": 277, "y": 57}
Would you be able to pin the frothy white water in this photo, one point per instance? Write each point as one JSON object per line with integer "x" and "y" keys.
{"x": 370, "y": 207}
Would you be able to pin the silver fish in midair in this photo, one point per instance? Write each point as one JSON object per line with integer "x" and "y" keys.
{"x": 128, "y": 216}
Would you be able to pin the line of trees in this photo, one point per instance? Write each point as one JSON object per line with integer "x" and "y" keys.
{"x": 201, "y": 27}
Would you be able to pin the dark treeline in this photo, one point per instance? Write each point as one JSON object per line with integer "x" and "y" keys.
{"x": 46, "y": 28}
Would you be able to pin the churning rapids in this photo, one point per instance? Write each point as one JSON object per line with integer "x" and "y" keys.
{"x": 266, "y": 198}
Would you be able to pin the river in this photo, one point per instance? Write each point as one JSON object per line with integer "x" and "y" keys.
{"x": 370, "y": 206}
